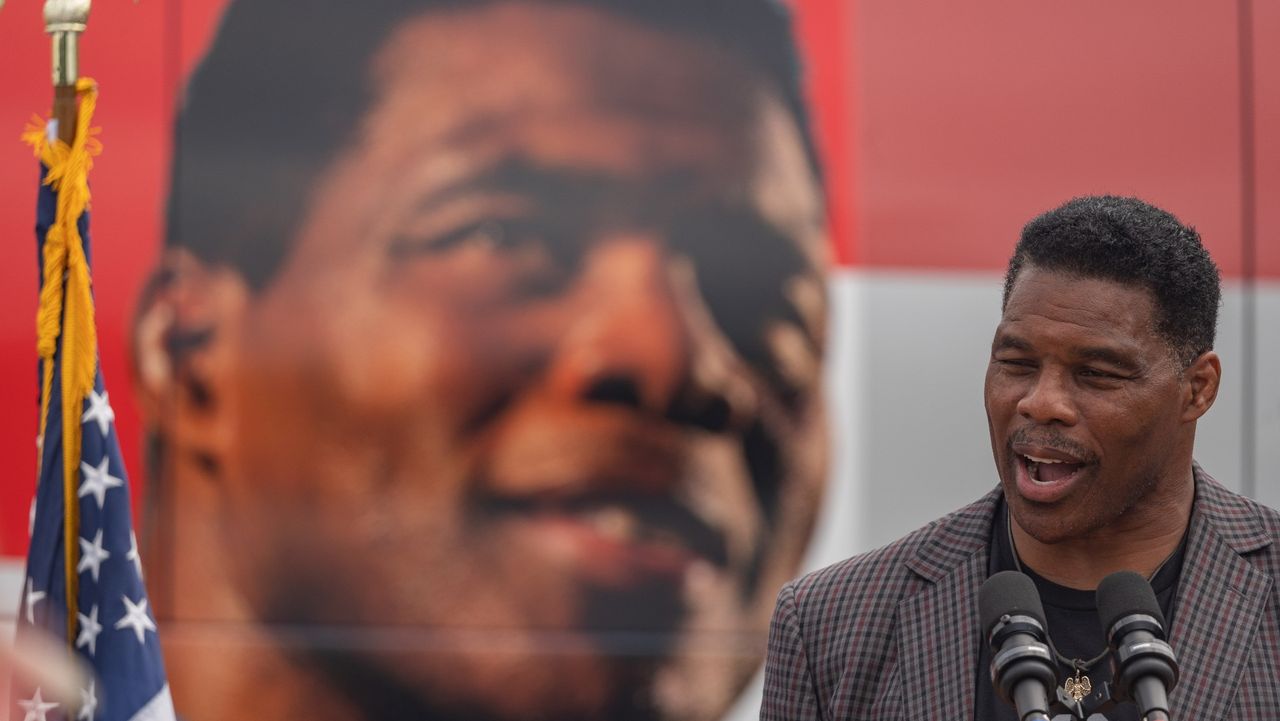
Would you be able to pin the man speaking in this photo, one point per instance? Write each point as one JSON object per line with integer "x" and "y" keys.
{"x": 1101, "y": 366}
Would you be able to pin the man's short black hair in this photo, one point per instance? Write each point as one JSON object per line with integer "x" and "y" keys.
{"x": 1135, "y": 243}
{"x": 285, "y": 83}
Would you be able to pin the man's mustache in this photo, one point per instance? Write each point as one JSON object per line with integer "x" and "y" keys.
{"x": 1054, "y": 441}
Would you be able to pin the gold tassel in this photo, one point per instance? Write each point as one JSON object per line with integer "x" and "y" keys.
{"x": 66, "y": 308}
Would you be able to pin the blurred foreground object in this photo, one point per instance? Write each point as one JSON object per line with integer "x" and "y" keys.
{"x": 43, "y": 663}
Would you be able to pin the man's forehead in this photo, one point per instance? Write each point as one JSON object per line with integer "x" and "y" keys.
{"x": 1038, "y": 288}
{"x": 566, "y": 52}
{"x": 564, "y": 93}
{"x": 1066, "y": 303}
{"x": 563, "y": 84}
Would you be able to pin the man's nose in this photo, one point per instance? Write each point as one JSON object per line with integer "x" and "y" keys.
{"x": 634, "y": 337}
{"x": 1048, "y": 399}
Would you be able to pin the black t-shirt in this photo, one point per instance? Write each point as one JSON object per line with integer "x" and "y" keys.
{"x": 1072, "y": 619}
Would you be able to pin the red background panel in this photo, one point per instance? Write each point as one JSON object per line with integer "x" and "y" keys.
{"x": 1266, "y": 98}
{"x": 826, "y": 27}
{"x": 975, "y": 116}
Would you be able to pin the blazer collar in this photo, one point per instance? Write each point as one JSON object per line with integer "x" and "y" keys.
{"x": 955, "y": 538}
{"x": 1232, "y": 517}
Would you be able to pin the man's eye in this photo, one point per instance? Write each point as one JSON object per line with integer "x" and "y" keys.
{"x": 1015, "y": 365}
{"x": 488, "y": 234}
{"x": 1098, "y": 374}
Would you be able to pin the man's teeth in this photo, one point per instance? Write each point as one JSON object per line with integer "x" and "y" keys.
{"x": 615, "y": 523}
{"x": 621, "y": 525}
{"x": 1033, "y": 464}
{"x": 1033, "y": 459}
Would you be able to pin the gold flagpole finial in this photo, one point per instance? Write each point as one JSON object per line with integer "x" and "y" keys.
{"x": 64, "y": 20}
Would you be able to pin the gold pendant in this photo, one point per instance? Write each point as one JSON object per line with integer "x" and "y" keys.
{"x": 1079, "y": 687}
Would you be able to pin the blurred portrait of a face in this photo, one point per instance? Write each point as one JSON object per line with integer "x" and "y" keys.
{"x": 484, "y": 362}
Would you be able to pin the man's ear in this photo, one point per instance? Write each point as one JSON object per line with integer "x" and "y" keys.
{"x": 1203, "y": 377}
{"x": 185, "y": 349}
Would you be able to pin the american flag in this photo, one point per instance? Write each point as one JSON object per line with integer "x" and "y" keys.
{"x": 111, "y": 626}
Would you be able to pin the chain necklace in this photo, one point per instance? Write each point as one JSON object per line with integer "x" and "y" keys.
{"x": 1078, "y": 686}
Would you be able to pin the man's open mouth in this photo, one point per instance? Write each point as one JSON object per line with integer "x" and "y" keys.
{"x": 1045, "y": 474}
{"x": 1048, "y": 471}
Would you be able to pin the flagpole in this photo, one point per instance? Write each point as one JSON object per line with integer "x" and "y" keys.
{"x": 64, "y": 20}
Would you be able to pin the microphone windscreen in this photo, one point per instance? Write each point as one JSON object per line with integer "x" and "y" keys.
{"x": 1125, "y": 593}
{"x": 1008, "y": 592}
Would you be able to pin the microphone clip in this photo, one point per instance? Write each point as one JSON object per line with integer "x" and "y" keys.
{"x": 1099, "y": 700}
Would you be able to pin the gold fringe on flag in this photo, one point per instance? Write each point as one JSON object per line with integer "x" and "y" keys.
{"x": 66, "y": 307}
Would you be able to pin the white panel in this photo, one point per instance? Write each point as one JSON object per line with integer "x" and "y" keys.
{"x": 1219, "y": 445}
{"x": 10, "y": 586}
{"x": 10, "y": 594}
{"x": 926, "y": 346}
{"x": 838, "y": 535}
{"x": 1267, "y": 395}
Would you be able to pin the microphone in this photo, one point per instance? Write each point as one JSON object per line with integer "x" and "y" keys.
{"x": 1144, "y": 669}
{"x": 1022, "y": 669}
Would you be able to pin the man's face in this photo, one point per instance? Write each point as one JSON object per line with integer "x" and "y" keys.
{"x": 538, "y": 384}
{"x": 1085, "y": 404}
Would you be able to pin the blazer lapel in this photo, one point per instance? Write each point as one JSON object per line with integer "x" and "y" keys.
{"x": 1220, "y": 601}
{"x": 938, "y": 632}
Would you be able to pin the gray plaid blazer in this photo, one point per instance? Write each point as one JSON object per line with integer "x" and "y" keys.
{"x": 893, "y": 634}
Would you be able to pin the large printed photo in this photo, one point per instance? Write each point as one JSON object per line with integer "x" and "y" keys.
{"x": 481, "y": 368}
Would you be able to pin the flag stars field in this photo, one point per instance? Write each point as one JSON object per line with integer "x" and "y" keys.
{"x": 33, "y": 597}
{"x": 89, "y": 630}
{"x": 97, "y": 481}
{"x": 137, "y": 618}
{"x": 88, "y": 702}
{"x": 99, "y": 412}
{"x": 133, "y": 554}
{"x": 92, "y": 555}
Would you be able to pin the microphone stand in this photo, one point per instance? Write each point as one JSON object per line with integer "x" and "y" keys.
{"x": 1100, "y": 701}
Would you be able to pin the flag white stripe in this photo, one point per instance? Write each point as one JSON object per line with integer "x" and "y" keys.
{"x": 159, "y": 708}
